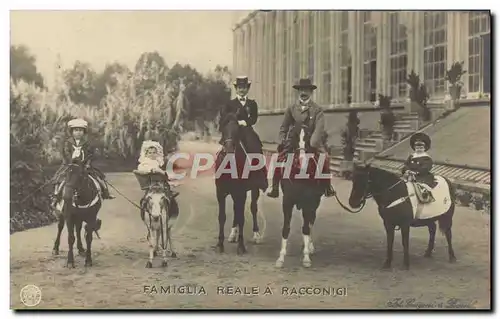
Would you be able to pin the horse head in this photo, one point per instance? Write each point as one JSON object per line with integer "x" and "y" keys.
{"x": 299, "y": 138}
{"x": 157, "y": 202}
{"x": 368, "y": 181}
{"x": 76, "y": 178}
{"x": 231, "y": 133}
{"x": 360, "y": 184}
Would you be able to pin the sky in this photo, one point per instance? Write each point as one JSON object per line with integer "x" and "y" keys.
{"x": 200, "y": 38}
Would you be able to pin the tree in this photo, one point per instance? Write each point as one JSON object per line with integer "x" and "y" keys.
{"x": 23, "y": 67}
{"x": 80, "y": 81}
{"x": 107, "y": 80}
{"x": 150, "y": 69}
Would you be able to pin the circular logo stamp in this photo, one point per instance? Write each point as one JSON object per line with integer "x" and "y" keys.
{"x": 31, "y": 295}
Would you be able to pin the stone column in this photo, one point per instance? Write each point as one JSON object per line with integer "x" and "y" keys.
{"x": 335, "y": 52}
{"x": 383, "y": 51}
{"x": 356, "y": 48}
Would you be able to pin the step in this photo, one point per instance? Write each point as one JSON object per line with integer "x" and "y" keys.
{"x": 367, "y": 141}
{"x": 366, "y": 149}
{"x": 366, "y": 145}
{"x": 410, "y": 117}
{"x": 376, "y": 136}
{"x": 401, "y": 126}
{"x": 373, "y": 140}
{"x": 409, "y": 122}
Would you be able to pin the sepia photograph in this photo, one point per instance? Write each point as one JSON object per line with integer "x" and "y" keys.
{"x": 250, "y": 159}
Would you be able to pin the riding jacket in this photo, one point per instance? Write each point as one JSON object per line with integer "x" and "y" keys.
{"x": 310, "y": 114}
{"x": 83, "y": 151}
{"x": 421, "y": 164}
{"x": 246, "y": 110}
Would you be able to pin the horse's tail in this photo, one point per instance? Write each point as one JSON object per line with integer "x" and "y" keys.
{"x": 445, "y": 221}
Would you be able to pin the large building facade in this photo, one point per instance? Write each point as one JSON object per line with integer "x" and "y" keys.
{"x": 354, "y": 55}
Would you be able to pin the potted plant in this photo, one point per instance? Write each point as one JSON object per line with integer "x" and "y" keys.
{"x": 454, "y": 78}
{"x": 387, "y": 117}
{"x": 418, "y": 96}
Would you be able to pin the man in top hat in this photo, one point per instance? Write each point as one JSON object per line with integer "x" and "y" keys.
{"x": 420, "y": 162}
{"x": 246, "y": 111}
{"x": 307, "y": 112}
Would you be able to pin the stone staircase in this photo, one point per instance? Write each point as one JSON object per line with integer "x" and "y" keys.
{"x": 373, "y": 143}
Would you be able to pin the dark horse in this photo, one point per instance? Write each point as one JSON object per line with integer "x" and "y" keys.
{"x": 396, "y": 207}
{"x": 237, "y": 188}
{"x": 81, "y": 203}
{"x": 304, "y": 193}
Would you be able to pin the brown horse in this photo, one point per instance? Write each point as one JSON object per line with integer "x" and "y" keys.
{"x": 303, "y": 193}
{"x": 237, "y": 187}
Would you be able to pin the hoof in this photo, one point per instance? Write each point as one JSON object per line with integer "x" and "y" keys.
{"x": 220, "y": 248}
{"x": 428, "y": 254}
{"x": 453, "y": 260}
{"x": 164, "y": 263}
{"x": 279, "y": 264}
{"x": 257, "y": 239}
{"x": 306, "y": 264}
{"x": 155, "y": 253}
{"x": 81, "y": 252}
{"x": 55, "y": 252}
{"x": 70, "y": 264}
{"x": 232, "y": 239}
{"x": 311, "y": 249}
{"x": 173, "y": 255}
{"x": 241, "y": 250}
{"x": 386, "y": 266}
{"x": 88, "y": 263}
{"x": 149, "y": 264}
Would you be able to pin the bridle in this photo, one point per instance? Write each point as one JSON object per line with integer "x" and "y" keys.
{"x": 167, "y": 200}
{"x": 366, "y": 195}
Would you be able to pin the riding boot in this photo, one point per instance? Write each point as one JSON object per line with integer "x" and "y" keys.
{"x": 329, "y": 192}
{"x": 105, "y": 190}
{"x": 275, "y": 191}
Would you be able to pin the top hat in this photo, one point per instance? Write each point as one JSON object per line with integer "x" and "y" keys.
{"x": 242, "y": 81}
{"x": 305, "y": 84}
{"x": 420, "y": 137}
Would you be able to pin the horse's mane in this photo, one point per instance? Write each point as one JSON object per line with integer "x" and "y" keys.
{"x": 384, "y": 175}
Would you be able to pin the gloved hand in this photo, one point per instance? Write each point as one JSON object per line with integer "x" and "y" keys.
{"x": 242, "y": 123}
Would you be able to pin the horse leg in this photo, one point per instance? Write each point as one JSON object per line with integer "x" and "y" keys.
{"x": 169, "y": 241}
{"x": 239, "y": 208}
{"x": 306, "y": 234}
{"x": 287, "y": 218}
{"x": 79, "y": 244}
{"x": 152, "y": 239}
{"x": 432, "y": 236}
{"x": 405, "y": 234}
{"x": 312, "y": 219}
{"x": 70, "y": 225}
{"x": 221, "y": 199}
{"x": 60, "y": 226}
{"x": 234, "y": 230}
{"x": 451, "y": 253}
{"x": 254, "y": 199}
{"x": 89, "y": 232}
{"x": 164, "y": 243}
{"x": 389, "y": 229}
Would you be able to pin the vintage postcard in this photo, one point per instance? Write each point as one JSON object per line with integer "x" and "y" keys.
{"x": 250, "y": 160}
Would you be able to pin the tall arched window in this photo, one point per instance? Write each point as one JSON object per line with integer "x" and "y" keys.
{"x": 479, "y": 52}
{"x": 369, "y": 57}
{"x": 435, "y": 52}
{"x": 326, "y": 65}
{"x": 398, "y": 56}
{"x": 345, "y": 59}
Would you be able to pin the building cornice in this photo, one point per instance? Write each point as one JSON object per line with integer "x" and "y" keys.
{"x": 245, "y": 20}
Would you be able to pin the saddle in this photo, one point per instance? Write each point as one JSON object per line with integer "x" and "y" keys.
{"x": 423, "y": 193}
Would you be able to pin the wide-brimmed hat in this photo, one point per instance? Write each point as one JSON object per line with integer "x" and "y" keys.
{"x": 305, "y": 84}
{"x": 78, "y": 123}
{"x": 242, "y": 81}
{"x": 420, "y": 137}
